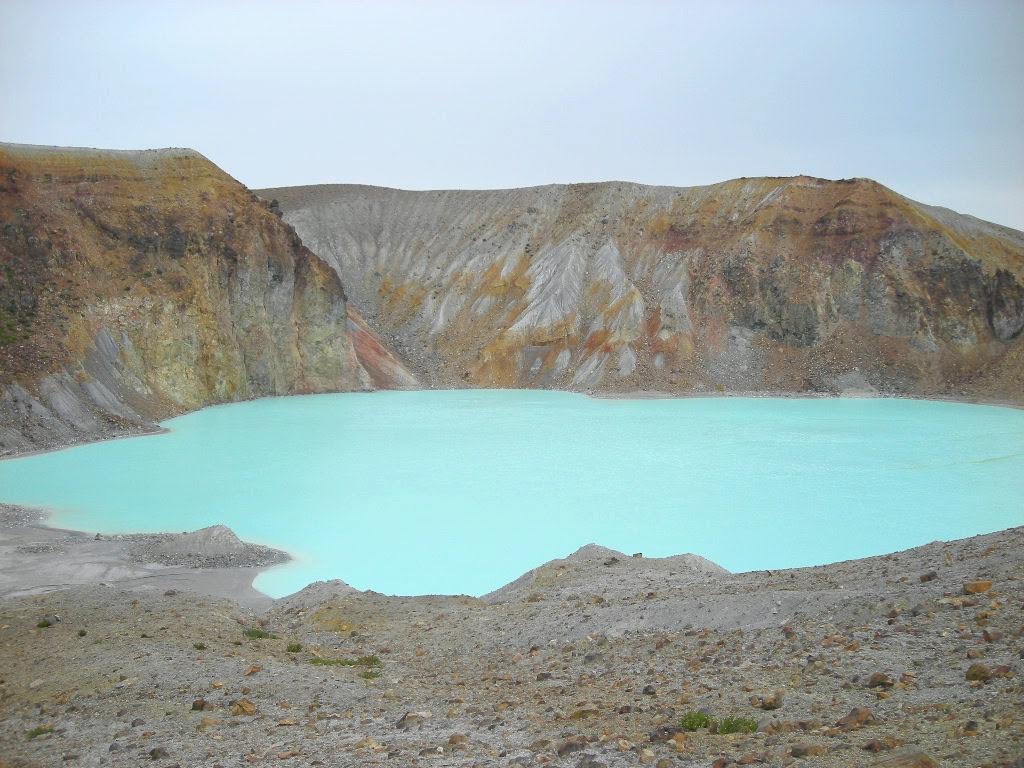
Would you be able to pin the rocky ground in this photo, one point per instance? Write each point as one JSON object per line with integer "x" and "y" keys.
{"x": 600, "y": 659}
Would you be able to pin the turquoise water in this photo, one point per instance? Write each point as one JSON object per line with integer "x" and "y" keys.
{"x": 463, "y": 491}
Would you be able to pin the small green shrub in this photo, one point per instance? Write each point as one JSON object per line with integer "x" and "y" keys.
{"x": 81, "y": 633}
{"x": 369, "y": 661}
{"x": 39, "y": 730}
{"x": 737, "y": 725}
{"x": 294, "y": 647}
{"x": 199, "y": 646}
{"x": 43, "y": 624}
{"x": 694, "y": 721}
{"x": 259, "y": 634}
{"x": 370, "y": 674}
{"x": 321, "y": 662}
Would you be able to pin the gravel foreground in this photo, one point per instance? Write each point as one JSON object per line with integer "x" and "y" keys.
{"x": 599, "y": 659}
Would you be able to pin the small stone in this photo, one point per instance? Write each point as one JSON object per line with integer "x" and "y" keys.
{"x": 158, "y": 753}
{"x": 252, "y": 670}
{"x": 200, "y": 704}
{"x": 992, "y": 635}
{"x": 768, "y": 703}
{"x": 571, "y": 744}
{"x": 880, "y": 680}
{"x": 243, "y": 707}
{"x": 806, "y": 750}
{"x": 650, "y": 690}
{"x": 977, "y": 587}
{"x": 858, "y": 718}
{"x": 928, "y": 576}
{"x": 409, "y": 719}
{"x": 979, "y": 672}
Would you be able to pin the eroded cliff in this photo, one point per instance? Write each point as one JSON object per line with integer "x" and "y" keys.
{"x": 792, "y": 284}
{"x": 139, "y": 285}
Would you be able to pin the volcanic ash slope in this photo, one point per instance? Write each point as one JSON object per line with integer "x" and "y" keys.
{"x": 768, "y": 284}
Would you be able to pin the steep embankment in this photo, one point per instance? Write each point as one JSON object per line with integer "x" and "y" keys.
{"x": 138, "y": 285}
{"x": 795, "y": 284}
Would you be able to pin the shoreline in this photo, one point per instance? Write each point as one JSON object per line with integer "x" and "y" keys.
{"x": 37, "y": 558}
{"x": 654, "y": 394}
{"x": 640, "y": 394}
{"x": 110, "y": 554}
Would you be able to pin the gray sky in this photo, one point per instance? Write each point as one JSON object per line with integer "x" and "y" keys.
{"x": 925, "y": 97}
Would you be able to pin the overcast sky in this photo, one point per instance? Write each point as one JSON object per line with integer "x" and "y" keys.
{"x": 925, "y": 97}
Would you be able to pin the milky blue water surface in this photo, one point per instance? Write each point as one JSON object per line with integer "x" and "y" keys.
{"x": 462, "y": 491}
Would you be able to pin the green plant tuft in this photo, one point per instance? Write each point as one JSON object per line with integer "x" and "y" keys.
{"x": 319, "y": 661}
{"x": 259, "y": 634}
{"x": 694, "y": 721}
{"x": 39, "y": 730}
{"x": 43, "y": 624}
{"x": 294, "y": 647}
{"x": 370, "y": 674}
{"x": 199, "y": 646}
{"x": 737, "y": 725}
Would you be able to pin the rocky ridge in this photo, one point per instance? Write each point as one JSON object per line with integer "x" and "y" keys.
{"x": 139, "y": 285}
{"x": 786, "y": 285}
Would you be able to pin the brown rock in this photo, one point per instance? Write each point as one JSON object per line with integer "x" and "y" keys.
{"x": 977, "y": 587}
{"x": 806, "y": 750}
{"x": 200, "y": 704}
{"x": 243, "y": 707}
{"x": 881, "y": 745}
{"x": 858, "y": 718}
{"x": 409, "y": 719}
{"x": 979, "y": 672}
{"x": 880, "y": 680}
{"x": 768, "y": 703}
{"x": 571, "y": 744}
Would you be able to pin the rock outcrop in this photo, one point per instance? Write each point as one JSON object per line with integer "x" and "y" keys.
{"x": 771, "y": 284}
{"x": 139, "y": 285}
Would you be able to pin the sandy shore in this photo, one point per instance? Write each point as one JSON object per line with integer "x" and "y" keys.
{"x": 36, "y": 558}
